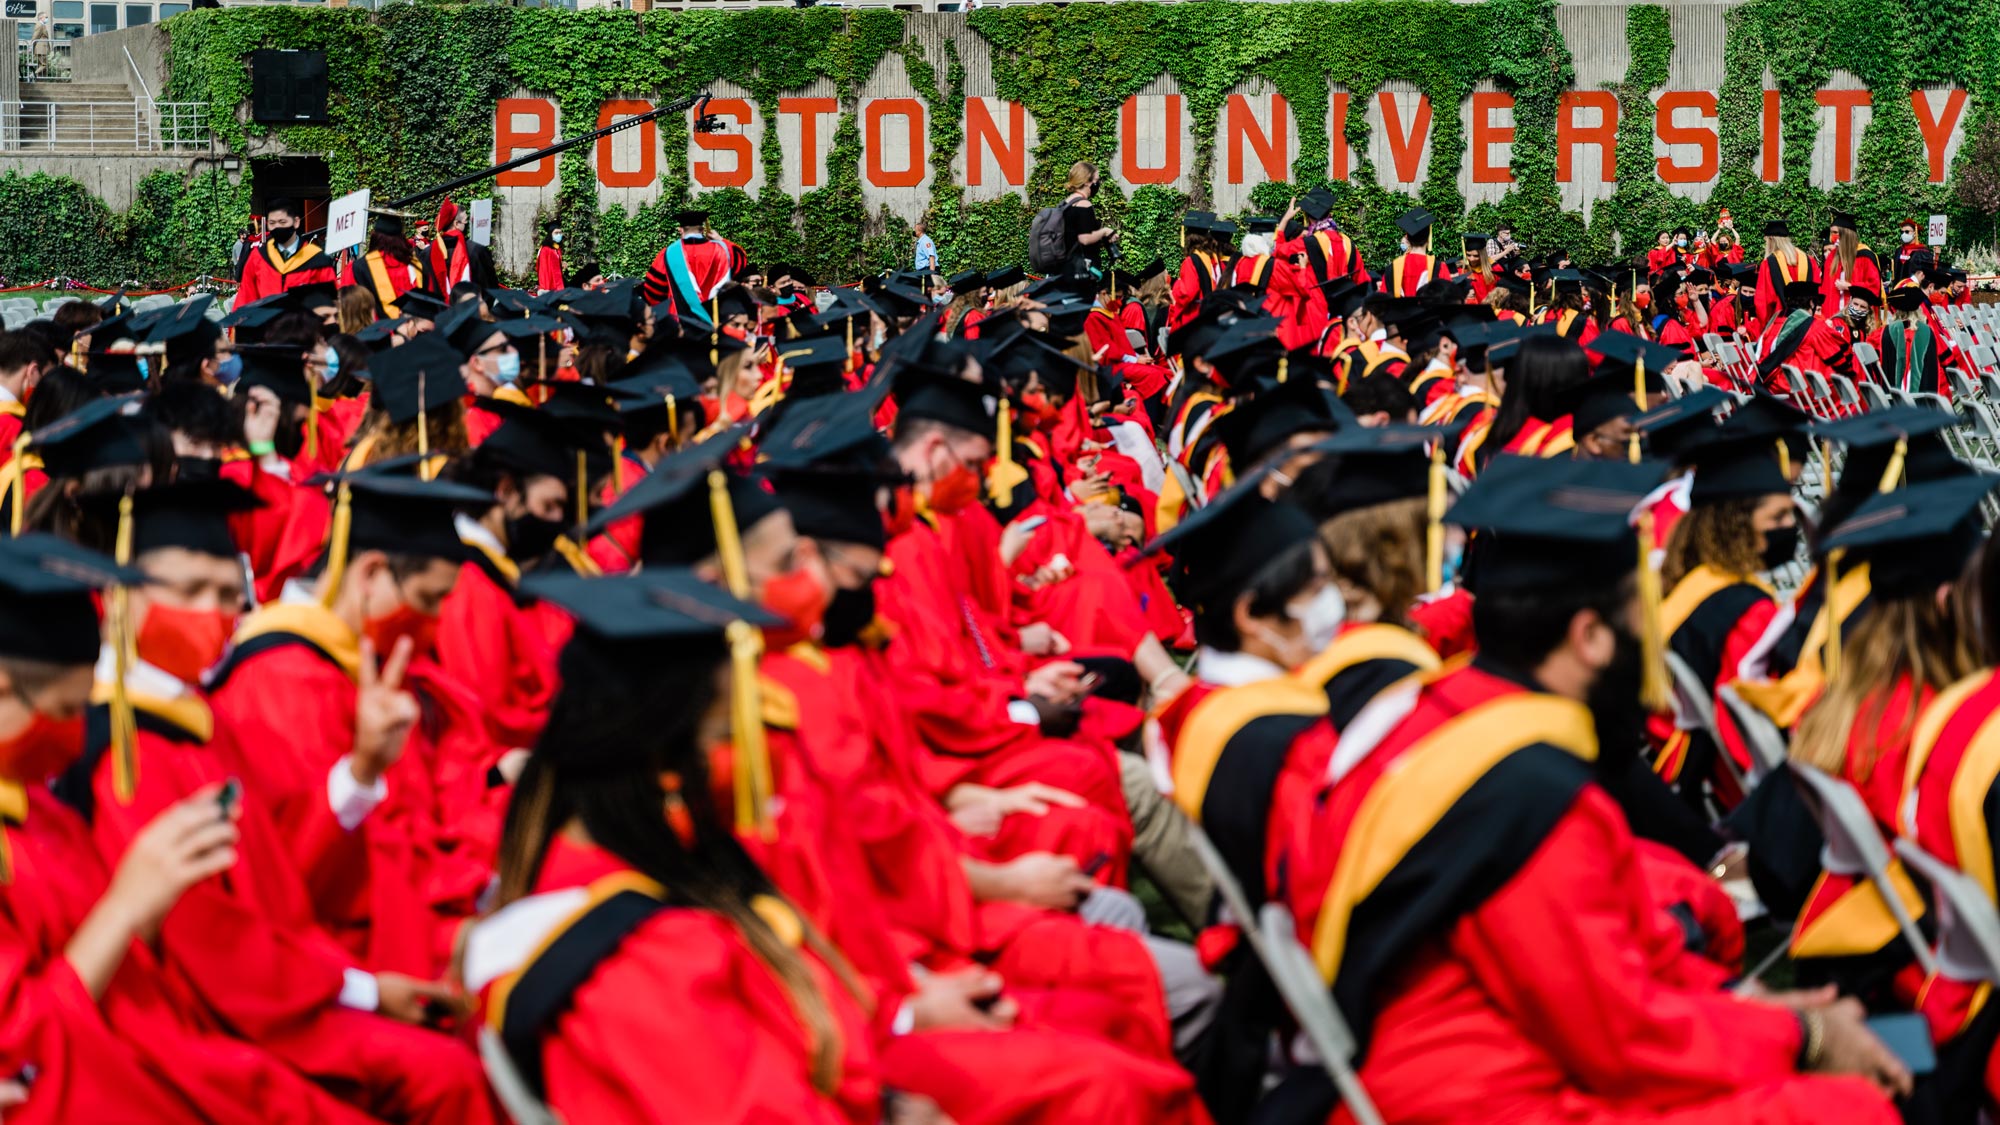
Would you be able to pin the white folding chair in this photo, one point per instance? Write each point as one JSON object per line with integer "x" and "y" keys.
{"x": 1875, "y": 395}
{"x": 1768, "y": 748}
{"x": 1298, "y": 981}
{"x": 1693, "y": 702}
{"x": 1855, "y": 848}
{"x": 1968, "y": 925}
{"x": 521, "y": 1103}
{"x": 1189, "y": 489}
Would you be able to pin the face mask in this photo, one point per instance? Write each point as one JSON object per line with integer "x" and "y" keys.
{"x": 953, "y": 489}
{"x": 1614, "y": 706}
{"x": 290, "y": 439}
{"x": 386, "y": 630}
{"x": 556, "y": 238}
{"x": 847, "y": 615}
{"x": 1321, "y": 617}
{"x": 876, "y": 339}
{"x": 229, "y": 369}
{"x": 1680, "y": 242}
{"x": 1909, "y": 236}
{"x": 531, "y": 537}
{"x": 184, "y": 643}
{"x": 801, "y": 599}
{"x": 1404, "y": 243}
{"x": 43, "y": 749}
{"x": 506, "y": 368}
{"x": 1781, "y": 545}
{"x": 283, "y": 236}
{"x": 1038, "y": 407}
{"x": 1454, "y": 561}
{"x": 197, "y": 468}
{"x": 332, "y": 365}
{"x": 1642, "y": 300}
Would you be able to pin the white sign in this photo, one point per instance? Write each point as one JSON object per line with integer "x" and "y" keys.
{"x": 1937, "y": 231}
{"x": 347, "y": 222}
{"x": 482, "y": 221}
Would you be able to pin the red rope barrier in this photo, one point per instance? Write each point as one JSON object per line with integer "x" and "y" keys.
{"x": 65, "y": 285}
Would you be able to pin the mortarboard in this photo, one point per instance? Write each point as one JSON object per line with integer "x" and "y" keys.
{"x": 652, "y": 606}
{"x": 186, "y": 331}
{"x": 1260, "y": 224}
{"x": 1006, "y": 277}
{"x": 531, "y": 442}
{"x": 1567, "y": 281}
{"x": 1678, "y": 425}
{"x": 1506, "y": 340}
{"x": 418, "y": 377}
{"x": 1918, "y": 538}
{"x": 1603, "y": 397}
{"x": 1511, "y": 283}
{"x": 1316, "y": 204}
{"x": 963, "y": 283}
{"x": 691, "y": 218}
{"x": 1777, "y": 228}
{"x": 1415, "y": 221}
{"x": 1547, "y": 523}
{"x": 1907, "y": 298}
{"x": 1843, "y": 220}
{"x": 388, "y": 510}
{"x": 189, "y": 514}
{"x": 947, "y": 398}
{"x": 1153, "y": 269}
{"x": 49, "y": 613}
{"x": 894, "y": 302}
{"x": 279, "y": 368}
{"x": 1223, "y": 546}
{"x": 378, "y": 335}
{"x": 419, "y": 305}
{"x": 1733, "y": 467}
{"x": 1363, "y": 466}
{"x": 1627, "y": 349}
{"x": 1474, "y": 241}
{"x": 1343, "y": 296}
{"x": 1254, "y": 428}
{"x": 100, "y": 434}
{"x": 118, "y": 369}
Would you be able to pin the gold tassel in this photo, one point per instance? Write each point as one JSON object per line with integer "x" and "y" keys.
{"x": 673, "y": 420}
{"x": 1638, "y": 397}
{"x": 1653, "y": 646}
{"x": 715, "y": 333}
{"x": 582, "y": 488}
{"x": 751, "y": 779}
{"x": 999, "y": 479}
{"x": 1826, "y": 467}
{"x": 312, "y": 423}
{"x": 1284, "y": 367}
{"x": 848, "y": 369}
{"x": 1830, "y": 657}
{"x": 336, "y": 543}
{"x": 124, "y": 651}
{"x": 423, "y": 432}
{"x": 1784, "y": 459}
{"x": 1892, "y": 474}
{"x": 1434, "y": 522}
{"x": 618, "y": 465}
{"x": 17, "y": 499}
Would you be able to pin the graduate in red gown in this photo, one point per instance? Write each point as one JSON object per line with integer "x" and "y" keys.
{"x": 1414, "y": 267}
{"x": 1105, "y": 327}
{"x": 96, "y": 1027}
{"x": 687, "y": 275}
{"x": 548, "y": 260}
{"x": 1849, "y": 263}
{"x": 1544, "y": 962}
{"x": 285, "y": 259}
{"x": 1209, "y": 264}
{"x": 390, "y": 268}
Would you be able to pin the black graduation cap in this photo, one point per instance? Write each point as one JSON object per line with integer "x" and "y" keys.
{"x": 1223, "y": 546}
{"x": 1672, "y": 427}
{"x": 830, "y": 433}
{"x": 425, "y": 368}
{"x": 281, "y": 368}
{"x": 512, "y": 302}
{"x": 1363, "y": 466}
{"x": 1393, "y": 310}
{"x": 679, "y": 524}
{"x": 842, "y": 507}
{"x": 48, "y": 613}
{"x": 1252, "y": 429}
{"x": 1511, "y": 282}
{"x": 691, "y": 218}
{"x": 1152, "y": 269}
{"x": 190, "y": 514}
{"x": 1260, "y": 224}
{"x": 1067, "y": 319}
{"x": 737, "y": 300}
{"x": 1777, "y": 228}
{"x": 403, "y": 514}
{"x": 1343, "y": 296}
{"x": 1732, "y": 467}
{"x": 110, "y": 331}
{"x": 818, "y": 364}
{"x": 100, "y": 434}
{"x": 418, "y": 304}
{"x": 312, "y": 295}
{"x": 657, "y": 396}
{"x": 256, "y": 313}
{"x": 1006, "y": 277}
{"x": 1316, "y": 204}
{"x": 1444, "y": 291}
{"x": 671, "y": 482}
{"x": 963, "y": 283}
{"x": 186, "y": 331}
{"x": 1918, "y": 538}
{"x": 1246, "y": 339}
{"x": 1699, "y": 276}
{"x": 1547, "y": 523}
{"x": 388, "y": 222}
{"x": 1769, "y": 417}
{"x": 463, "y": 328}
{"x": 1802, "y": 292}
{"x": 118, "y": 369}
{"x": 1567, "y": 281}
{"x": 1507, "y": 339}
{"x": 1603, "y": 397}
{"x": 1474, "y": 241}
{"x": 1906, "y": 298}
{"x": 1885, "y": 426}
{"x": 947, "y": 398}
{"x": 652, "y": 606}
{"x": 1198, "y": 220}
{"x": 1844, "y": 220}
{"x": 1415, "y": 221}
{"x": 892, "y": 301}
{"x": 1625, "y": 348}
{"x": 531, "y": 442}
{"x": 378, "y": 335}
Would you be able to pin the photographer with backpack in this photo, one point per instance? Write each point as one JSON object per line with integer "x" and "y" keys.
{"x": 1067, "y": 238}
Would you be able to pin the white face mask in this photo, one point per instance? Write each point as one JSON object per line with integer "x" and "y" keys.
{"x": 1909, "y": 236}
{"x": 1405, "y": 244}
{"x": 1680, "y": 242}
{"x": 556, "y": 238}
{"x": 1321, "y": 618}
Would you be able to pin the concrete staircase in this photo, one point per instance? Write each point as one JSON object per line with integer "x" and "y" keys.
{"x": 81, "y": 117}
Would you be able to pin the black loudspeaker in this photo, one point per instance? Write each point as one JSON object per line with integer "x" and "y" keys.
{"x": 288, "y": 87}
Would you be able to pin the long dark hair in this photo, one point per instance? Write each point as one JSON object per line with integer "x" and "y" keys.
{"x": 626, "y": 715}
{"x": 1537, "y": 376}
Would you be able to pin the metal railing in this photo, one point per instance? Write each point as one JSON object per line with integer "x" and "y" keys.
{"x": 143, "y": 125}
{"x": 179, "y": 125}
{"x": 45, "y": 60}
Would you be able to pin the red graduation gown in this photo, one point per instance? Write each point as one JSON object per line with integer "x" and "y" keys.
{"x": 1866, "y": 273}
{"x": 267, "y": 272}
{"x": 548, "y": 269}
{"x": 283, "y": 537}
{"x": 498, "y": 651}
{"x": 711, "y": 261}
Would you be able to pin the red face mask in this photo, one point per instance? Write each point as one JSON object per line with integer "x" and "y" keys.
{"x": 801, "y": 599}
{"x": 1642, "y": 300}
{"x": 954, "y": 491}
{"x": 1040, "y": 410}
{"x": 43, "y": 749}
{"x": 184, "y": 643}
{"x": 386, "y": 630}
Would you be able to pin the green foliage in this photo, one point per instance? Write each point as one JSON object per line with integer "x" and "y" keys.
{"x": 413, "y": 88}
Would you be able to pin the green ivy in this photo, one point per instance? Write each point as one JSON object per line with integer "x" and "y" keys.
{"x": 412, "y": 89}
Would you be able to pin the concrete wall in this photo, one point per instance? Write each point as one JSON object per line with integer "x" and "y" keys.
{"x": 114, "y": 179}
{"x": 101, "y": 58}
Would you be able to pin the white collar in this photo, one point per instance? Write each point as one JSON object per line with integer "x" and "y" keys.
{"x": 298, "y": 591}
{"x": 8, "y": 396}
{"x": 140, "y": 676}
{"x": 472, "y": 531}
{"x": 1233, "y": 669}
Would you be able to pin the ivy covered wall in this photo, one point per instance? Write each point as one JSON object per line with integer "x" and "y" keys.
{"x": 414, "y": 88}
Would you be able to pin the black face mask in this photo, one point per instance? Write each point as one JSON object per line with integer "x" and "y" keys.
{"x": 197, "y": 468}
{"x": 847, "y": 615}
{"x": 290, "y": 440}
{"x": 282, "y": 236}
{"x": 1781, "y": 545}
{"x": 1615, "y": 706}
{"x": 531, "y": 537}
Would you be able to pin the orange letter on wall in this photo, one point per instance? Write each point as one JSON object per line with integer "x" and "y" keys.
{"x": 1337, "y": 159}
{"x": 1270, "y": 146}
{"x": 982, "y": 134}
{"x": 1129, "y": 168}
{"x": 1406, "y": 146}
{"x": 1772, "y": 134}
{"x": 508, "y": 140}
{"x": 649, "y": 144}
{"x": 912, "y": 111}
{"x": 1843, "y": 103}
{"x": 1604, "y": 134}
{"x": 1704, "y": 137}
{"x": 704, "y": 171}
{"x": 1937, "y": 133}
{"x": 809, "y": 111}
{"x": 1485, "y": 135}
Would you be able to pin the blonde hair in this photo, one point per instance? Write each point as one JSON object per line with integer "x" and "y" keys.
{"x": 1080, "y": 175}
{"x": 1380, "y": 548}
{"x": 1909, "y": 636}
{"x": 356, "y": 309}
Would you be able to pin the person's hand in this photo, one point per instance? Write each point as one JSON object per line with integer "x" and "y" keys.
{"x": 1090, "y": 485}
{"x": 186, "y": 843}
{"x": 1050, "y": 573}
{"x": 260, "y": 416}
{"x": 417, "y": 1002}
{"x": 12, "y": 1094}
{"x": 1034, "y": 799}
{"x": 905, "y": 1108}
{"x": 1291, "y": 209}
{"x": 383, "y": 712}
{"x": 1058, "y": 681}
{"x": 1052, "y": 882}
{"x": 1797, "y": 999}
{"x": 1848, "y": 1047}
{"x": 1040, "y": 639}
{"x": 1015, "y": 539}
{"x": 966, "y": 1000}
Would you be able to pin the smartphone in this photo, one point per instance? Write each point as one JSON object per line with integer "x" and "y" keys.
{"x": 1097, "y": 863}
{"x": 228, "y": 798}
{"x": 1908, "y": 1037}
{"x": 1033, "y": 523}
{"x": 1088, "y": 683}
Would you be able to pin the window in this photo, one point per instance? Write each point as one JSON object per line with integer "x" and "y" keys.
{"x": 69, "y": 31}
{"x": 138, "y": 14}
{"x": 169, "y": 10}
{"x": 103, "y": 17}
{"x": 68, "y": 9}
